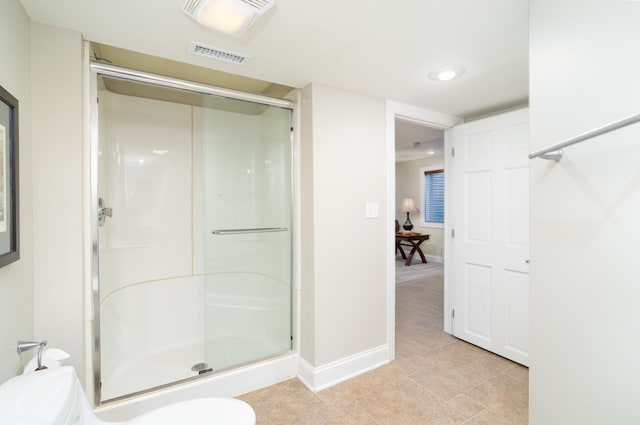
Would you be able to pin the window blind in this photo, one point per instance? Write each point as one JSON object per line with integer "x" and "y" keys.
{"x": 434, "y": 196}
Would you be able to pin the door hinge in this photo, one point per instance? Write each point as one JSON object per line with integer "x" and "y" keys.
{"x": 453, "y": 151}
{"x": 453, "y": 313}
{"x": 453, "y": 233}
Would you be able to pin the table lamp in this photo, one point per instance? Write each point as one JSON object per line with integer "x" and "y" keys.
{"x": 408, "y": 206}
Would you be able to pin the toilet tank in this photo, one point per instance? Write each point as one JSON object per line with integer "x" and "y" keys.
{"x": 45, "y": 397}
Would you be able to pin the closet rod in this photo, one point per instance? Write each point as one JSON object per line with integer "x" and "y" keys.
{"x": 555, "y": 152}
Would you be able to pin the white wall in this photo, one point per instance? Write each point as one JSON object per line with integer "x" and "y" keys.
{"x": 16, "y": 279}
{"x": 344, "y": 293}
{"x": 408, "y": 185}
{"x": 344, "y": 303}
{"x": 585, "y": 227}
{"x": 56, "y": 87}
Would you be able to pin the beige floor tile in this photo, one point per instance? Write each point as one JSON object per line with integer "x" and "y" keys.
{"x": 519, "y": 372}
{"x": 409, "y": 404}
{"x": 469, "y": 361}
{"x": 489, "y": 417}
{"x": 505, "y": 395}
{"x": 435, "y": 380}
{"x": 408, "y": 347}
{"x": 399, "y": 368}
{"x": 353, "y": 389}
{"x": 467, "y": 405}
{"x": 352, "y": 413}
{"x": 426, "y": 337}
{"x": 289, "y": 402}
{"x": 407, "y": 316}
{"x": 444, "y": 380}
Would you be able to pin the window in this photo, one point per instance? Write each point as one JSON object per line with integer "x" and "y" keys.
{"x": 433, "y": 204}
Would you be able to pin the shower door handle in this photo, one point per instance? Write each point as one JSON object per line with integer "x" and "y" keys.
{"x": 103, "y": 212}
{"x": 249, "y": 230}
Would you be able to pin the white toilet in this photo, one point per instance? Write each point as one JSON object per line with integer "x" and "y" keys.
{"x": 55, "y": 397}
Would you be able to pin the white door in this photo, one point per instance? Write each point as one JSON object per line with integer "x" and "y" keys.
{"x": 490, "y": 234}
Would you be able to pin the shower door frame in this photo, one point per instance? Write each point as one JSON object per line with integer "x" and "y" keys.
{"x": 97, "y": 69}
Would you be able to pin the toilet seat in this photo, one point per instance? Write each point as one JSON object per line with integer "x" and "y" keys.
{"x": 209, "y": 411}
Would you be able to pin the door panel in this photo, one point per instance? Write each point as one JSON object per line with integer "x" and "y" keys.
{"x": 478, "y": 301}
{"x": 490, "y": 249}
{"x": 517, "y": 207}
{"x": 518, "y": 320}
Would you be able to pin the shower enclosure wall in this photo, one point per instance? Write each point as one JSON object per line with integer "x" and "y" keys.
{"x": 194, "y": 253}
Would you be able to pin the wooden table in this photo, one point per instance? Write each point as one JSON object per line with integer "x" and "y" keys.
{"x": 413, "y": 240}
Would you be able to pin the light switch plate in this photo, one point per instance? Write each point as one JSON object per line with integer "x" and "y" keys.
{"x": 372, "y": 210}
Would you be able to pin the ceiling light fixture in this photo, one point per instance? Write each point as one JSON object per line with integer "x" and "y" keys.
{"x": 446, "y": 73}
{"x": 232, "y": 17}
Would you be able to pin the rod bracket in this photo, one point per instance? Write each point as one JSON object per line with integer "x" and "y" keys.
{"x": 553, "y": 155}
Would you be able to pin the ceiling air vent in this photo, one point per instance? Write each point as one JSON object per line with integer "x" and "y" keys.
{"x": 260, "y": 5}
{"x": 191, "y": 6}
{"x": 218, "y": 54}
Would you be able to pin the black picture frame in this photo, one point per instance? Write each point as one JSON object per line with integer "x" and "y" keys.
{"x": 9, "y": 200}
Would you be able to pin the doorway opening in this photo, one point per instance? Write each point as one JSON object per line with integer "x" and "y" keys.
{"x": 419, "y": 184}
{"x": 427, "y": 126}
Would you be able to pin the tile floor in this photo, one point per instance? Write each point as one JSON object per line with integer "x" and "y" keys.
{"x": 435, "y": 379}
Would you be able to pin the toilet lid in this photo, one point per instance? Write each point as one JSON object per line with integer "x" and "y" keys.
{"x": 203, "y": 411}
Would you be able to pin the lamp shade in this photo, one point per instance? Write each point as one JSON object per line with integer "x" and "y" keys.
{"x": 408, "y": 205}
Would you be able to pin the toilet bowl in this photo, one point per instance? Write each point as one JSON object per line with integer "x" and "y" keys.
{"x": 55, "y": 397}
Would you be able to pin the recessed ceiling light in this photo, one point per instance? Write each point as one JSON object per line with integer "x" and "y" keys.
{"x": 446, "y": 73}
{"x": 430, "y": 152}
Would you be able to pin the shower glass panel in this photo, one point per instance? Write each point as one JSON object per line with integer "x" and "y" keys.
{"x": 247, "y": 158}
{"x": 195, "y": 250}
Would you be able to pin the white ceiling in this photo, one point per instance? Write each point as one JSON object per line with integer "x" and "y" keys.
{"x": 415, "y": 141}
{"x": 383, "y": 48}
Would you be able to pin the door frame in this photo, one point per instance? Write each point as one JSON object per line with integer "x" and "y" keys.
{"x": 428, "y": 118}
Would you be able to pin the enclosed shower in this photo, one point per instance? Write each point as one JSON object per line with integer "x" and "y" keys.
{"x": 192, "y": 248}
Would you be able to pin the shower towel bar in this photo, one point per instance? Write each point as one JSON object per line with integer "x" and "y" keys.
{"x": 250, "y": 230}
{"x": 555, "y": 152}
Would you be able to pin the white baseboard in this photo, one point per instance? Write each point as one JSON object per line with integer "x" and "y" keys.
{"x": 434, "y": 258}
{"x": 430, "y": 259}
{"x": 319, "y": 378}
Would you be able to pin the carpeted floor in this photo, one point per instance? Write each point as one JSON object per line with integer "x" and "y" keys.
{"x": 416, "y": 271}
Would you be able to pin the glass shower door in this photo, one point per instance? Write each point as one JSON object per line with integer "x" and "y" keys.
{"x": 247, "y": 220}
{"x": 195, "y": 255}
